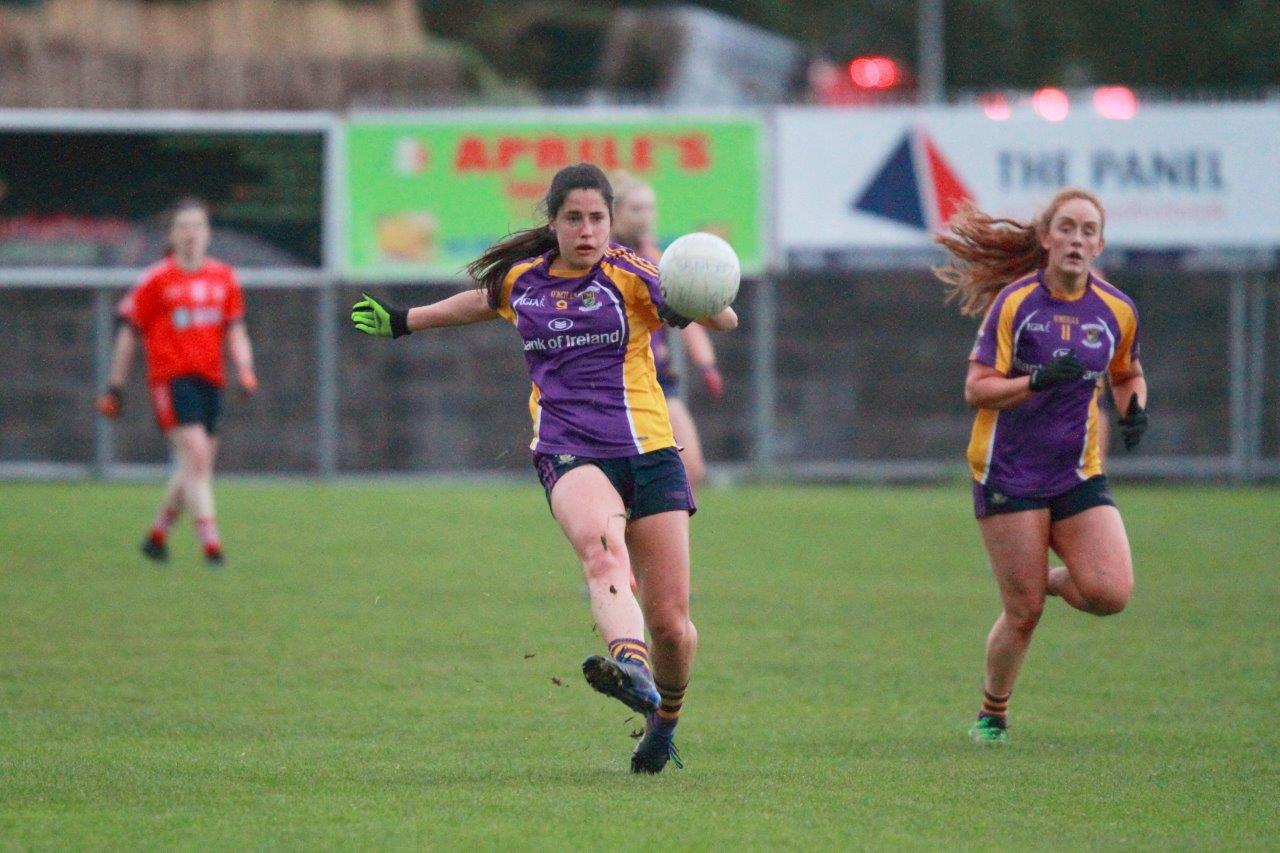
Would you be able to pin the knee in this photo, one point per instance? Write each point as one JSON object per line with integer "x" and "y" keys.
{"x": 1108, "y": 602}
{"x": 671, "y": 627}
{"x": 1022, "y": 617}
{"x": 599, "y": 564}
{"x": 197, "y": 460}
{"x": 199, "y": 465}
{"x": 1108, "y": 599}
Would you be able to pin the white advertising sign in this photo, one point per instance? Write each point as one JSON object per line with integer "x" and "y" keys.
{"x": 1189, "y": 177}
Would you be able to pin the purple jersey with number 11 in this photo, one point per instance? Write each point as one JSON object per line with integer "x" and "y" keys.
{"x": 586, "y": 342}
{"x": 1049, "y": 444}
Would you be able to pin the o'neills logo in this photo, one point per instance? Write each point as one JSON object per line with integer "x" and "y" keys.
{"x": 549, "y": 151}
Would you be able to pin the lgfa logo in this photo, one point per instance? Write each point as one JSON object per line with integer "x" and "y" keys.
{"x": 915, "y": 185}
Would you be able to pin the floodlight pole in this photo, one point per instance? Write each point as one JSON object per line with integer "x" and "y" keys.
{"x": 930, "y": 59}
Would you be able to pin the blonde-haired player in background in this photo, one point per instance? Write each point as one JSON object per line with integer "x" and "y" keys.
{"x": 635, "y": 218}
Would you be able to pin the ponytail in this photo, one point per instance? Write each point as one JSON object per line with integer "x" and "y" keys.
{"x": 988, "y": 252}
{"x": 490, "y": 269}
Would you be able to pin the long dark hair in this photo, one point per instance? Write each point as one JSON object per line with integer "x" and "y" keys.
{"x": 988, "y": 252}
{"x": 491, "y": 268}
{"x": 182, "y": 205}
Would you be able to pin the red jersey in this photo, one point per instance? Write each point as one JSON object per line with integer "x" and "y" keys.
{"x": 182, "y": 316}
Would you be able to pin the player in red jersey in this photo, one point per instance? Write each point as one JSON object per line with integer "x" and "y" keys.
{"x": 182, "y": 311}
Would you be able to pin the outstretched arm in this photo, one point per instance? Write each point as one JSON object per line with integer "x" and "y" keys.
{"x": 461, "y": 309}
{"x": 374, "y": 316}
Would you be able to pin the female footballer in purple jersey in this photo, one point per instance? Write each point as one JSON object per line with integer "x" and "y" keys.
{"x": 1035, "y": 374}
{"x": 635, "y": 214}
{"x": 602, "y": 442}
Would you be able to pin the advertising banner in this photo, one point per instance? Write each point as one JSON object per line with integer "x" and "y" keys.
{"x": 427, "y": 195}
{"x": 1171, "y": 178}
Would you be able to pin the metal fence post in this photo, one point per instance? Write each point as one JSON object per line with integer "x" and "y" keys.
{"x": 1257, "y": 372}
{"x": 327, "y": 378}
{"x": 1239, "y": 375}
{"x": 764, "y": 338}
{"x": 103, "y": 431}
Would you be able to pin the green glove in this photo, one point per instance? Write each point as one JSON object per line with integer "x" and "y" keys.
{"x": 375, "y": 317}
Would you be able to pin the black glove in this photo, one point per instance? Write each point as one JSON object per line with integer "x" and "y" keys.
{"x": 1133, "y": 424}
{"x": 671, "y": 318}
{"x": 376, "y": 317}
{"x": 1064, "y": 368}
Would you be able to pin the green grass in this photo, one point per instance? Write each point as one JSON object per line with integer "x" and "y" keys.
{"x": 378, "y": 666}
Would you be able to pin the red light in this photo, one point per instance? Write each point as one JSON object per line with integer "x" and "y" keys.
{"x": 1115, "y": 102}
{"x": 995, "y": 106}
{"x": 874, "y": 72}
{"x": 1052, "y": 104}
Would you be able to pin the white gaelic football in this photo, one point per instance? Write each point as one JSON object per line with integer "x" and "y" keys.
{"x": 699, "y": 275}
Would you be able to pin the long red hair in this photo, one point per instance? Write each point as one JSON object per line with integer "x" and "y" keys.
{"x": 988, "y": 252}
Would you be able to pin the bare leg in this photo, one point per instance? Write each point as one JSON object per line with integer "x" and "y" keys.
{"x": 660, "y": 548}
{"x": 1098, "y": 575}
{"x": 194, "y": 451}
{"x": 593, "y": 519}
{"x": 1017, "y": 544}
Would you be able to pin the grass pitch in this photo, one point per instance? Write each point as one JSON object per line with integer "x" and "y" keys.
{"x": 397, "y": 666}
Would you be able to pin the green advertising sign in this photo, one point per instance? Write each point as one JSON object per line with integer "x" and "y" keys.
{"x": 426, "y": 196}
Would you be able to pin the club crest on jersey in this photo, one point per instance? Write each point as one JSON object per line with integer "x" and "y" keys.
{"x": 1092, "y": 335}
{"x": 590, "y": 299}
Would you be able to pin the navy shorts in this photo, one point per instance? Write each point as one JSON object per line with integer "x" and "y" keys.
{"x": 1094, "y": 491}
{"x": 648, "y": 483}
{"x": 196, "y": 401}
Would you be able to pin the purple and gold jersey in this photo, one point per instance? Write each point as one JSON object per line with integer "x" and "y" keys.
{"x": 586, "y": 341}
{"x": 1049, "y": 444}
{"x": 663, "y": 362}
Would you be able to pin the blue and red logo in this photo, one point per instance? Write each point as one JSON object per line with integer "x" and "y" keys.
{"x": 915, "y": 186}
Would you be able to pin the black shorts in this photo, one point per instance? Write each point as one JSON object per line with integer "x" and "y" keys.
{"x": 196, "y": 401}
{"x": 648, "y": 483}
{"x": 1092, "y": 492}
